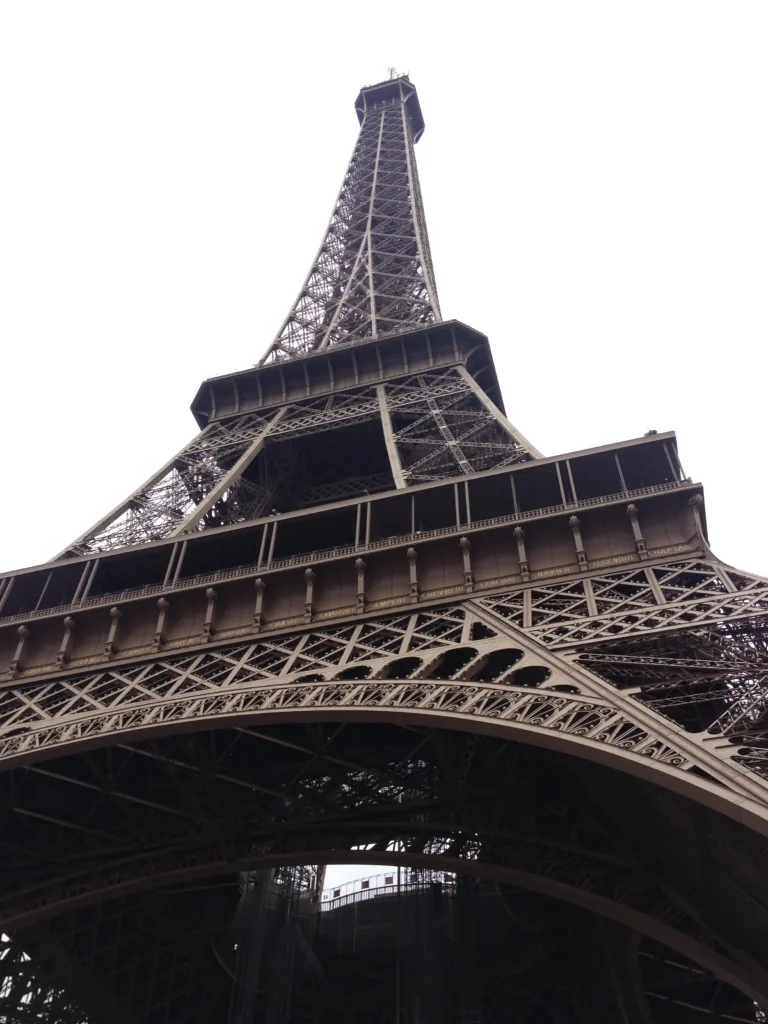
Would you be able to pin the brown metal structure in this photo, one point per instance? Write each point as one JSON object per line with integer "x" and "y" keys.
{"x": 360, "y": 618}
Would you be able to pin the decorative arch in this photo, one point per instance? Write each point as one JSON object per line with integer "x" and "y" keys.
{"x": 504, "y": 685}
{"x": 617, "y": 895}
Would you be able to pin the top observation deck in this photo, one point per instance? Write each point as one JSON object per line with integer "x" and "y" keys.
{"x": 398, "y": 89}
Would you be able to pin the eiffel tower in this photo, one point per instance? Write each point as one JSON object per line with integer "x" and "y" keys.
{"x": 360, "y": 618}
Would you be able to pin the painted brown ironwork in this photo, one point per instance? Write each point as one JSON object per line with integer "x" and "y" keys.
{"x": 360, "y": 618}
{"x": 179, "y": 494}
{"x": 236, "y": 469}
{"x": 373, "y": 272}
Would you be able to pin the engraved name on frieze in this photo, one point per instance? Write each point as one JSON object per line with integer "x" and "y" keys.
{"x": 500, "y": 581}
{"x": 93, "y": 659}
{"x": 390, "y": 602}
{"x": 676, "y": 549}
{"x": 563, "y": 571}
{"x": 336, "y": 613}
{"x": 240, "y": 631}
{"x": 616, "y": 560}
{"x": 280, "y": 623}
{"x": 444, "y": 592}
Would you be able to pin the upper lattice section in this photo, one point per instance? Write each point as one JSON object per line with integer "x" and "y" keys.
{"x": 373, "y": 273}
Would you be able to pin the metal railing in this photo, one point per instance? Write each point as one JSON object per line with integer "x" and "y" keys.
{"x": 367, "y": 891}
{"x": 349, "y": 550}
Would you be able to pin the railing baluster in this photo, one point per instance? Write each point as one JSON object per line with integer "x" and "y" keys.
{"x": 303, "y": 560}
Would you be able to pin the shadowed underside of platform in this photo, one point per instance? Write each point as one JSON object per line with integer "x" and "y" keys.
{"x": 585, "y": 872}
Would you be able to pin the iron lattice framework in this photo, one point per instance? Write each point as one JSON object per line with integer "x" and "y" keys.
{"x": 373, "y": 272}
{"x": 361, "y": 618}
{"x": 237, "y": 470}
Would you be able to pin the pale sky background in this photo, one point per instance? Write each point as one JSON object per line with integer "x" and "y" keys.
{"x": 594, "y": 176}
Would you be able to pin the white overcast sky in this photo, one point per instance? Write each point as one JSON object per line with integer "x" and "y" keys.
{"x": 594, "y": 176}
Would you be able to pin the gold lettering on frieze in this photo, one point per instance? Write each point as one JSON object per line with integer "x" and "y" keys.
{"x": 335, "y": 613}
{"x": 281, "y": 623}
{"x": 501, "y": 581}
{"x": 675, "y": 549}
{"x": 544, "y": 573}
{"x": 37, "y": 670}
{"x": 93, "y": 659}
{"x": 240, "y": 631}
{"x": 444, "y": 592}
{"x": 389, "y": 602}
{"x": 616, "y": 560}
{"x": 186, "y": 642}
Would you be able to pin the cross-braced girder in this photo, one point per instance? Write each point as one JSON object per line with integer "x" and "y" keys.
{"x": 684, "y": 638}
{"x": 573, "y": 711}
{"x": 441, "y": 429}
{"x": 192, "y": 808}
{"x": 472, "y": 948}
{"x": 438, "y": 424}
{"x": 27, "y": 993}
{"x": 200, "y": 487}
{"x": 373, "y": 272}
{"x": 490, "y": 660}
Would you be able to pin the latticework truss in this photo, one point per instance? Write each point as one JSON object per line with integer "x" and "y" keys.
{"x": 684, "y": 638}
{"x": 688, "y": 639}
{"x": 373, "y": 273}
{"x": 682, "y": 593}
{"x": 372, "y": 279}
{"x": 201, "y": 486}
{"x": 540, "y": 677}
{"x": 441, "y": 424}
{"x": 505, "y": 661}
{"x": 26, "y": 994}
{"x": 198, "y": 804}
{"x": 441, "y": 428}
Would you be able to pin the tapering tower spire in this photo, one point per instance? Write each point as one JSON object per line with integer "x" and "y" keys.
{"x": 365, "y": 389}
{"x": 360, "y": 616}
{"x": 373, "y": 273}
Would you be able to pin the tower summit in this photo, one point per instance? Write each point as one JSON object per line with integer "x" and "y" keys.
{"x": 359, "y": 617}
{"x": 372, "y": 275}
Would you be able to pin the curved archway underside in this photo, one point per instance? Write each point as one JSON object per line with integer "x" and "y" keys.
{"x": 138, "y": 817}
{"x": 631, "y": 701}
{"x": 450, "y": 736}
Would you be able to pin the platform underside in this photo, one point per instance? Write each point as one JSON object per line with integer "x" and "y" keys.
{"x": 586, "y": 874}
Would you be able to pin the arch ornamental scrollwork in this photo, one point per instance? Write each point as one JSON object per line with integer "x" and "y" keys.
{"x": 467, "y": 669}
{"x": 461, "y": 666}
